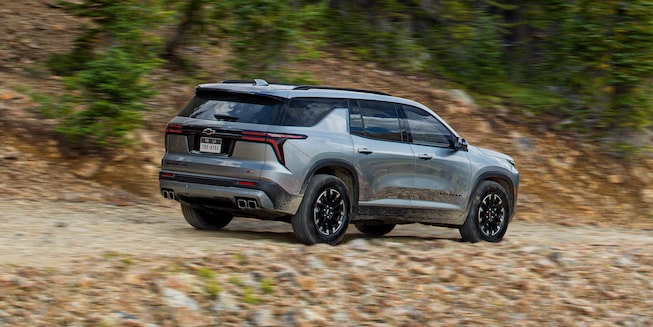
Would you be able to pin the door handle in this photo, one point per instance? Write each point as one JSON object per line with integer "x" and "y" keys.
{"x": 425, "y": 156}
{"x": 364, "y": 151}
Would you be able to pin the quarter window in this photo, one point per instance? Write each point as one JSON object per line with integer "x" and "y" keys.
{"x": 425, "y": 129}
{"x": 309, "y": 111}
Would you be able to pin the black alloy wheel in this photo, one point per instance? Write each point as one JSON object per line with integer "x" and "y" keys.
{"x": 323, "y": 216}
{"x": 489, "y": 214}
{"x": 329, "y": 212}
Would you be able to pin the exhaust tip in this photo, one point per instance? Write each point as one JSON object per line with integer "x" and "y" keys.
{"x": 252, "y": 204}
{"x": 169, "y": 194}
{"x": 247, "y": 203}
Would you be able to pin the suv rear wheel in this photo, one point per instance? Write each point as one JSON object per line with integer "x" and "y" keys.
{"x": 324, "y": 214}
{"x": 487, "y": 219}
{"x": 375, "y": 230}
{"x": 205, "y": 219}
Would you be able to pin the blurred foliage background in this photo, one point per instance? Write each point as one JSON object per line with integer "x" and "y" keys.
{"x": 589, "y": 63}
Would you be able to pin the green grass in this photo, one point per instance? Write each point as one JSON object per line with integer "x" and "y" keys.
{"x": 267, "y": 286}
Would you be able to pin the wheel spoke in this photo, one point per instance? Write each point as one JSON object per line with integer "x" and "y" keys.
{"x": 328, "y": 213}
{"x": 491, "y": 214}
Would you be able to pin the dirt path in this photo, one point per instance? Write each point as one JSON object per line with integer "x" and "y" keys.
{"x": 91, "y": 264}
{"x": 56, "y": 234}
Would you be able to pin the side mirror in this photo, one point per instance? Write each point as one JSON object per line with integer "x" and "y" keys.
{"x": 460, "y": 144}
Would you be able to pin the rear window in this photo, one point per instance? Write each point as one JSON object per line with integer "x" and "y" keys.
{"x": 225, "y": 106}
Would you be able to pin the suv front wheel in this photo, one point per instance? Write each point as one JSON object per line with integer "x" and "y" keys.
{"x": 205, "y": 219}
{"x": 487, "y": 219}
{"x": 324, "y": 214}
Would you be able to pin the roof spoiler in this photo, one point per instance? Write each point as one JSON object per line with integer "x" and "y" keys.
{"x": 254, "y": 82}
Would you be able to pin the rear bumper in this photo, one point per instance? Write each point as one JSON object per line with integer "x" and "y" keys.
{"x": 228, "y": 194}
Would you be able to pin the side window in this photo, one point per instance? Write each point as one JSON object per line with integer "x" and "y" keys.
{"x": 380, "y": 120}
{"x": 355, "y": 120}
{"x": 309, "y": 111}
{"x": 426, "y": 129}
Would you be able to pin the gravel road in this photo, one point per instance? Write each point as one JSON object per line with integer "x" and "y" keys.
{"x": 92, "y": 264}
{"x": 56, "y": 234}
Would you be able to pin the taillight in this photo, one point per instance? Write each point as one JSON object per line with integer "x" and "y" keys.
{"x": 173, "y": 129}
{"x": 276, "y": 140}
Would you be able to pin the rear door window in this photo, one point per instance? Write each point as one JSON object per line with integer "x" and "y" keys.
{"x": 226, "y": 106}
{"x": 380, "y": 120}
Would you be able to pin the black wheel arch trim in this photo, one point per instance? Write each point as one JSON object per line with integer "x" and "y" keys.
{"x": 335, "y": 163}
{"x": 505, "y": 181}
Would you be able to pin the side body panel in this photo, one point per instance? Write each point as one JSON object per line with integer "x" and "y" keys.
{"x": 386, "y": 172}
{"x": 442, "y": 183}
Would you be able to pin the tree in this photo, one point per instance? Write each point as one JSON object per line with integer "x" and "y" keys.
{"x": 105, "y": 71}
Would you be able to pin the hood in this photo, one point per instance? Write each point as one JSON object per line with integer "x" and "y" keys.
{"x": 495, "y": 154}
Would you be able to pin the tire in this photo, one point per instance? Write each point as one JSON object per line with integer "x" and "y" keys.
{"x": 323, "y": 215}
{"x": 205, "y": 219}
{"x": 375, "y": 230}
{"x": 489, "y": 214}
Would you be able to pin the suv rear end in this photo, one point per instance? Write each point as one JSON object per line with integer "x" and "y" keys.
{"x": 224, "y": 152}
{"x": 244, "y": 149}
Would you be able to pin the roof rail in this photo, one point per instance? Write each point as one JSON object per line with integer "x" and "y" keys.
{"x": 255, "y": 82}
{"x": 310, "y": 87}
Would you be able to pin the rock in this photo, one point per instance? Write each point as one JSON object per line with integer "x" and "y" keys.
{"x": 9, "y": 153}
{"x": 71, "y": 197}
{"x": 7, "y": 95}
{"x": 403, "y": 313}
{"x": 313, "y": 315}
{"x": 287, "y": 275}
{"x": 461, "y": 97}
{"x": 420, "y": 269}
{"x": 359, "y": 244}
{"x": 88, "y": 168}
{"x": 446, "y": 274}
{"x": 616, "y": 179}
{"x": 225, "y": 302}
{"x": 647, "y": 195}
{"x": 341, "y": 318}
{"x": 263, "y": 317}
{"x": 624, "y": 261}
{"x": 484, "y": 127}
{"x": 383, "y": 72}
{"x": 182, "y": 282}
{"x": 315, "y": 263}
{"x": 524, "y": 144}
{"x": 289, "y": 319}
{"x": 178, "y": 299}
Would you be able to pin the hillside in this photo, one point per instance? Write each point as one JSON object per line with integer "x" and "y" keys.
{"x": 562, "y": 175}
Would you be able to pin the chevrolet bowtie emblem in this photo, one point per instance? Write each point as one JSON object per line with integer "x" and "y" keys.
{"x": 208, "y": 131}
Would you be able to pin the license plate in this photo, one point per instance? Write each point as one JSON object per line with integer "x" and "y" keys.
{"x": 210, "y": 145}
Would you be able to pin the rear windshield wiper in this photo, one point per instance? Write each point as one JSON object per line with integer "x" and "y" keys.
{"x": 221, "y": 117}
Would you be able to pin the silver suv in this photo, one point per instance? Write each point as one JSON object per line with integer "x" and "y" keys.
{"x": 323, "y": 157}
